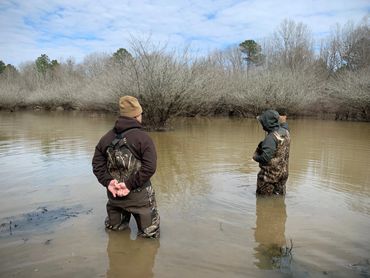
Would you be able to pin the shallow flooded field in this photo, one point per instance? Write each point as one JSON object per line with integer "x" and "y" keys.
{"x": 212, "y": 224}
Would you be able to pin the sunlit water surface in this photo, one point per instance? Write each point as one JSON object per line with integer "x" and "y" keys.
{"x": 212, "y": 225}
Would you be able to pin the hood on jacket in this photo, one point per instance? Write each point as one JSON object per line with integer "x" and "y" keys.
{"x": 124, "y": 123}
{"x": 269, "y": 120}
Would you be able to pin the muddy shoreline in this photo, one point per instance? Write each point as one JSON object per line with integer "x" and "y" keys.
{"x": 346, "y": 115}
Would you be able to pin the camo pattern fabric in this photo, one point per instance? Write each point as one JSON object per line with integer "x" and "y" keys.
{"x": 121, "y": 162}
{"x": 272, "y": 177}
{"x": 142, "y": 206}
{"x": 152, "y": 231}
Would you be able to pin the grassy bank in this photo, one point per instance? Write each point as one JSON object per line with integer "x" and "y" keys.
{"x": 201, "y": 89}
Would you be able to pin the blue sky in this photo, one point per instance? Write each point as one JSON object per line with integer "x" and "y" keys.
{"x": 75, "y": 28}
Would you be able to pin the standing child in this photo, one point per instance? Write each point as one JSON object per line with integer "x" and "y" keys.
{"x": 272, "y": 154}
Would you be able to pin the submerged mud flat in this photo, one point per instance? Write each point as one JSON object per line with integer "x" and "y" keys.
{"x": 40, "y": 220}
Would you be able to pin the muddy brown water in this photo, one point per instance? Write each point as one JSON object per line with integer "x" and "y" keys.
{"x": 212, "y": 224}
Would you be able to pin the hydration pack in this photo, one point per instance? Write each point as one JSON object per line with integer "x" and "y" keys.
{"x": 122, "y": 158}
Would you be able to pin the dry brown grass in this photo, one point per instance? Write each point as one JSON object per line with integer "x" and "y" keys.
{"x": 169, "y": 83}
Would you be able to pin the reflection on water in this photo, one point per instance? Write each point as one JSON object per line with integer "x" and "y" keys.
{"x": 270, "y": 233}
{"x": 212, "y": 224}
{"x": 130, "y": 258}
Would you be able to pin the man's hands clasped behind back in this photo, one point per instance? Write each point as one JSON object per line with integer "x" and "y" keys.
{"x": 118, "y": 188}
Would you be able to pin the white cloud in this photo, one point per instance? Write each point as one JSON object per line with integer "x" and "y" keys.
{"x": 62, "y": 29}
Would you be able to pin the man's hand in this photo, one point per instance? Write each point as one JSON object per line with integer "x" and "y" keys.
{"x": 118, "y": 188}
{"x": 123, "y": 191}
{"x": 112, "y": 187}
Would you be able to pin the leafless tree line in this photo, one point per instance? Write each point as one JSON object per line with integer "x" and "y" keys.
{"x": 292, "y": 75}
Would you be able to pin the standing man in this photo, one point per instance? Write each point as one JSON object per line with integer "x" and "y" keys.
{"x": 124, "y": 161}
{"x": 272, "y": 154}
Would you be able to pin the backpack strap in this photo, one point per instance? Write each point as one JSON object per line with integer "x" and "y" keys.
{"x": 121, "y": 135}
{"x": 281, "y": 135}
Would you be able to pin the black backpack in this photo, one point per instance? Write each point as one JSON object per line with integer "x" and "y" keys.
{"x": 122, "y": 158}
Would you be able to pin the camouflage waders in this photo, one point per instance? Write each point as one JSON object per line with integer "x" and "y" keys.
{"x": 123, "y": 162}
{"x": 142, "y": 205}
{"x": 272, "y": 177}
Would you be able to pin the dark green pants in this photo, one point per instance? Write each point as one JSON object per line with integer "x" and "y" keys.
{"x": 142, "y": 205}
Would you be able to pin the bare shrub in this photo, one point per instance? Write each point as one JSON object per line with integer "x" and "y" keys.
{"x": 170, "y": 83}
{"x": 94, "y": 64}
{"x": 272, "y": 89}
{"x": 351, "y": 91}
{"x": 347, "y": 47}
{"x": 209, "y": 86}
{"x": 161, "y": 80}
{"x": 291, "y": 45}
{"x": 12, "y": 95}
